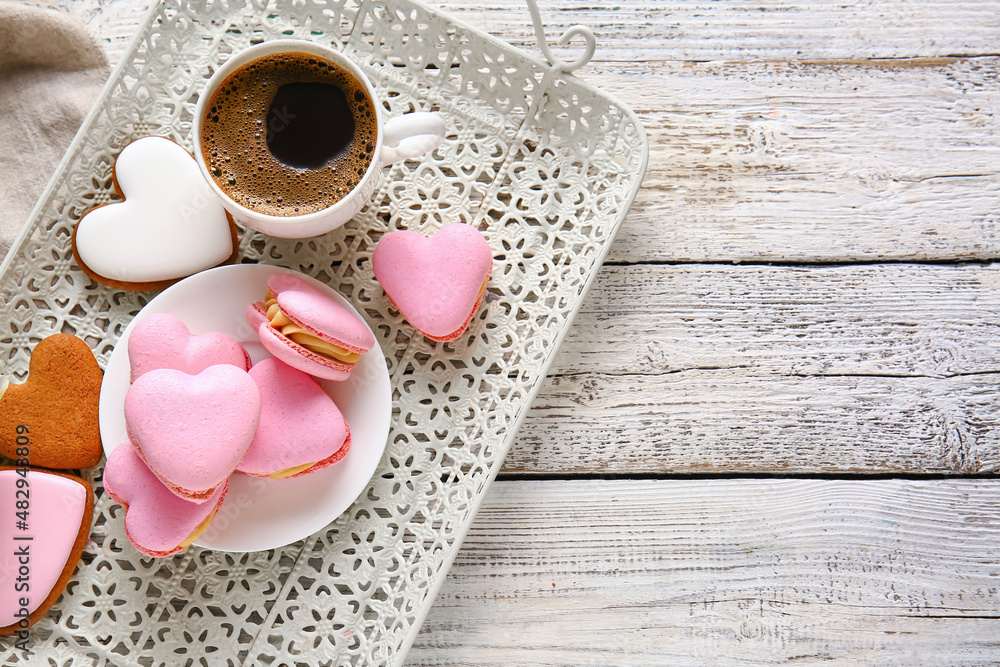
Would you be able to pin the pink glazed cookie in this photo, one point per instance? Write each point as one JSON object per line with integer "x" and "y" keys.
{"x": 38, "y": 556}
{"x": 301, "y": 429}
{"x": 437, "y": 283}
{"x": 307, "y": 329}
{"x": 164, "y": 341}
{"x": 157, "y": 522}
{"x": 192, "y": 430}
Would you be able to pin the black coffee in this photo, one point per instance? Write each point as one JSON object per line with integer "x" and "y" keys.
{"x": 299, "y": 128}
{"x": 289, "y": 134}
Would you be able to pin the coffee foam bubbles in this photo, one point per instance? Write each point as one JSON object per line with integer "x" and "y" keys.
{"x": 234, "y": 138}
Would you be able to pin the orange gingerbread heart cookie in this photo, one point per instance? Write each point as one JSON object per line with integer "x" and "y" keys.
{"x": 51, "y": 419}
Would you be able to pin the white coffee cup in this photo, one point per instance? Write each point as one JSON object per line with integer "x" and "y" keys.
{"x": 400, "y": 138}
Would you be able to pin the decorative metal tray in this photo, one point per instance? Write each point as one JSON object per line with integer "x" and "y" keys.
{"x": 545, "y": 165}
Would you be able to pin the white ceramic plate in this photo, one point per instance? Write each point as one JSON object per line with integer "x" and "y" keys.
{"x": 260, "y": 513}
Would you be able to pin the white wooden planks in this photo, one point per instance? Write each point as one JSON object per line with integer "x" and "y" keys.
{"x": 814, "y": 161}
{"x": 898, "y": 320}
{"x": 853, "y": 368}
{"x": 670, "y": 572}
{"x": 890, "y": 319}
{"x": 749, "y": 30}
{"x": 735, "y": 421}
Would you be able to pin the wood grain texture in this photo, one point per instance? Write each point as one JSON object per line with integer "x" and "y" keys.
{"x": 868, "y": 368}
{"x": 740, "y": 421}
{"x": 809, "y": 162}
{"x": 749, "y": 30}
{"x": 900, "y": 320}
{"x": 709, "y": 572}
{"x": 797, "y": 132}
{"x": 678, "y": 30}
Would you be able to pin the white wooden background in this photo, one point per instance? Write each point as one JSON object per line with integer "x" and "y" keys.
{"x": 772, "y": 435}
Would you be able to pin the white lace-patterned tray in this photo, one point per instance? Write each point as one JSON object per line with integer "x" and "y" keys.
{"x": 545, "y": 165}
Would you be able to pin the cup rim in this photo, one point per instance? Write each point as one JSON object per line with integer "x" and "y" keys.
{"x": 259, "y": 50}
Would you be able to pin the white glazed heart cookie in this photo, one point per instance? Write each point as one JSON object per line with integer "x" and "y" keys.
{"x": 169, "y": 226}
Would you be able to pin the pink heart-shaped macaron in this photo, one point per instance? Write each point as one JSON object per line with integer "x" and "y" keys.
{"x": 308, "y": 328}
{"x": 192, "y": 430}
{"x": 437, "y": 282}
{"x": 164, "y": 341}
{"x": 301, "y": 429}
{"x": 157, "y": 521}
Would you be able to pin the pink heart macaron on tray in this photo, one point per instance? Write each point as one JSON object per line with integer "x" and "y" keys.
{"x": 541, "y": 165}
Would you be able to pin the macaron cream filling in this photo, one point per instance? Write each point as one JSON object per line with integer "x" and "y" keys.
{"x": 280, "y": 321}
{"x": 472, "y": 313}
{"x": 294, "y": 470}
{"x": 202, "y": 527}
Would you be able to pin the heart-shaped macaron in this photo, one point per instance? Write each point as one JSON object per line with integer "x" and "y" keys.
{"x": 437, "y": 282}
{"x": 157, "y": 521}
{"x": 51, "y": 419}
{"x": 301, "y": 429}
{"x": 192, "y": 430}
{"x": 163, "y": 341}
{"x": 309, "y": 329}
{"x": 45, "y": 526}
{"x": 170, "y": 225}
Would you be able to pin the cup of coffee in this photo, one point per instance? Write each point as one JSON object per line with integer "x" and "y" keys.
{"x": 290, "y": 135}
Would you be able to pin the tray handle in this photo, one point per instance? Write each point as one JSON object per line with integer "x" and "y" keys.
{"x": 558, "y": 63}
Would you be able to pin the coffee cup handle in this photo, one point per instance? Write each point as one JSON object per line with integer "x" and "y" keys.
{"x": 411, "y": 135}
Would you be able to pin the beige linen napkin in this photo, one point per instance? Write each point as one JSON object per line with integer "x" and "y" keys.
{"x": 51, "y": 71}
